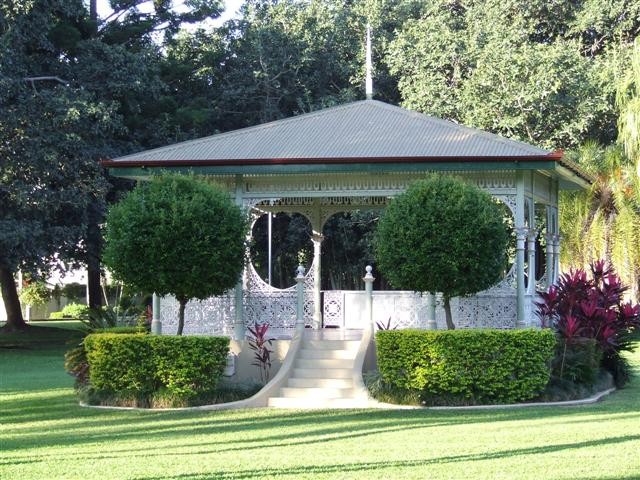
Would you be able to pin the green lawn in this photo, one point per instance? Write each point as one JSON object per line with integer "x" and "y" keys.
{"x": 46, "y": 435}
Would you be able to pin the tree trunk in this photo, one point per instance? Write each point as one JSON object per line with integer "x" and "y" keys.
{"x": 183, "y": 303}
{"x": 93, "y": 11}
{"x": 15, "y": 322}
{"x": 94, "y": 247}
{"x": 447, "y": 312}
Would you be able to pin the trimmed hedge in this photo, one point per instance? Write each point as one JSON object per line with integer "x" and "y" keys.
{"x": 138, "y": 365}
{"x": 483, "y": 366}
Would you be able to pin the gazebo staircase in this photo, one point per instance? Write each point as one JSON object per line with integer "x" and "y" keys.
{"x": 322, "y": 376}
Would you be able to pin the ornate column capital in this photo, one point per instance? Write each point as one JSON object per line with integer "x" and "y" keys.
{"x": 522, "y": 233}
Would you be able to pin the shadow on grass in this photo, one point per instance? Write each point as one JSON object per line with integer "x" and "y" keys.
{"x": 376, "y": 466}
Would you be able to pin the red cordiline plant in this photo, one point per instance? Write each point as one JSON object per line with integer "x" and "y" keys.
{"x": 579, "y": 308}
{"x": 260, "y": 344}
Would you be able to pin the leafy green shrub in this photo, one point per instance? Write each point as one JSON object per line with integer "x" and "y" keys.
{"x": 75, "y": 360}
{"x": 122, "y": 330}
{"x": 34, "y": 294}
{"x": 442, "y": 235}
{"x": 56, "y": 315}
{"x": 483, "y": 366}
{"x": 75, "y": 310}
{"x": 141, "y": 232}
{"x": 578, "y": 361}
{"x": 387, "y": 392}
{"x": 142, "y": 366}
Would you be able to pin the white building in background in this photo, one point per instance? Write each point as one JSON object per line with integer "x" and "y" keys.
{"x": 77, "y": 276}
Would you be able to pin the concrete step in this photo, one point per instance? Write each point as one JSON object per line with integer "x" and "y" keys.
{"x": 290, "y": 392}
{"x": 320, "y": 382}
{"x": 323, "y": 363}
{"x": 323, "y": 373}
{"x": 331, "y": 344}
{"x": 327, "y": 354}
{"x": 284, "y": 402}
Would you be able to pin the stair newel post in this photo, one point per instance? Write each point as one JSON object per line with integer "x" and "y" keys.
{"x": 156, "y": 323}
{"x": 368, "y": 287}
{"x": 300, "y": 278}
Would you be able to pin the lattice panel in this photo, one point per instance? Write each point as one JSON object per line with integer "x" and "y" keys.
{"x": 333, "y": 308}
{"x": 410, "y": 310}
{"x": 266, "y": 304}
{"x": 213, "y": 316}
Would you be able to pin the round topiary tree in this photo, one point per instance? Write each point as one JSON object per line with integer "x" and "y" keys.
{"x": 176, "y": 235}
{"x": 442, "y": 235}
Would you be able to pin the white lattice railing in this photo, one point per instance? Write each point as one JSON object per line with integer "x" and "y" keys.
{"x": 495, "y": 308}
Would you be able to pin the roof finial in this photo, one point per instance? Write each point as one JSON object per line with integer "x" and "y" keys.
{"x": 369, "y": 79}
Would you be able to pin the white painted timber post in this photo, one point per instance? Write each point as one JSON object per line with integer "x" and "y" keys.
{"x": 300, "y": 295}
{"x": 521, "y": 235}
{"x": 156, "y": 323}
{"x": 238, "y": 321}
{"x": 317, "y": 293}
{"x": 431, "y": 312}
{"x": 549, "y": 259}
{"x": 368, "y": 287}
{"x": 556, "y": 257}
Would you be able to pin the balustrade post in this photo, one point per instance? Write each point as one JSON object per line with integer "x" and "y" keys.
{"x": 156, "y": 323}
{"x": 300, "y": 295}
{"x": 368, "y": 287}
{"x": 431, "y": 312}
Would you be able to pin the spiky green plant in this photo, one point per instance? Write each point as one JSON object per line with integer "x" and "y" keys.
{"x": 604, "y": 221}
{"x": 628, "y": 104}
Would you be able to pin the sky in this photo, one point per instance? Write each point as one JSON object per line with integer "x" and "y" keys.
{"x": 231, "y": 8}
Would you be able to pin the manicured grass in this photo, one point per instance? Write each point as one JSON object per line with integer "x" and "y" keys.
{"x": 46, "y": 435}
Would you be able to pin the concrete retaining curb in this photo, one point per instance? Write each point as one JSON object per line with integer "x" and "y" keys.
{"x": 372, "y": 404}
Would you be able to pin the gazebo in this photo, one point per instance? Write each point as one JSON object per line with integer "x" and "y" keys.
{"x": 358, "y": 156}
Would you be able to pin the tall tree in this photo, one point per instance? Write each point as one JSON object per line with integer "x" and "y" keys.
{"x": 51, "y": 133}
{"x": 518, "y": 70}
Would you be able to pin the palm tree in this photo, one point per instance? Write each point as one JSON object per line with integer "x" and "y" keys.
{"x": 628, "y": 104}
{"x": 604, "y": 222}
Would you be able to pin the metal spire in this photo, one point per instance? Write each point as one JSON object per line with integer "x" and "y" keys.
{"x": 369, "y": 79}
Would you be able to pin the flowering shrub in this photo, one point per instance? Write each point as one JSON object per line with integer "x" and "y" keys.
{"x": 580, "y": 308}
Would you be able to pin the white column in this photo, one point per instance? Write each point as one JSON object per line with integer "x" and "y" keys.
{"x": 317, "y": 299}
{"x": 368, "y": 287}
{"x": 549, "y": 248}
{"x": 532, "y": 234}
{"x": 521, "y": 235}
{"x": 238, "y": 322}
{"x": 156, "y": 323}
{"x": 300, "y": 296}
{"x": 431, "y": 312}
{"x": 549, "y": 267}
{"x": 556, "y": 257}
